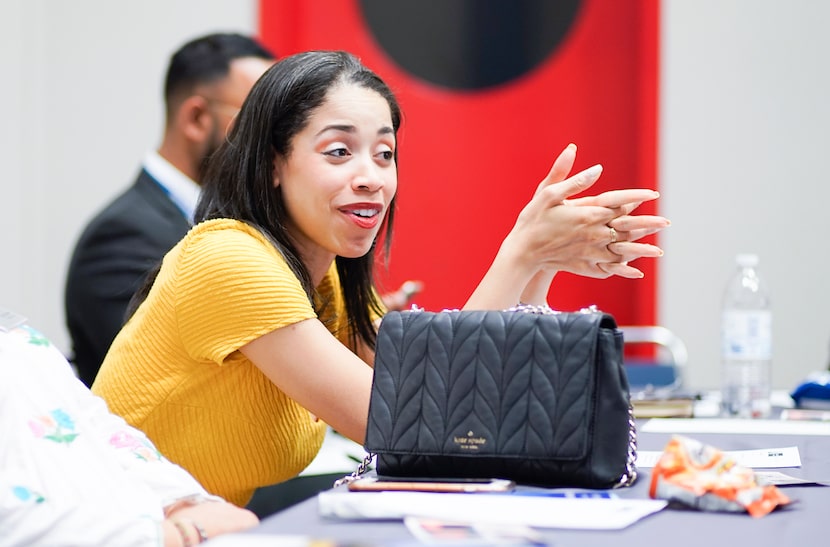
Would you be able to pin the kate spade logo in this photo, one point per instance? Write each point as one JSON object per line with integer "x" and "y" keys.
{"x": 469, "y": 442}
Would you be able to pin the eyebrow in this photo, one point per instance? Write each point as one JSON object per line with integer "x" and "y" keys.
{"x": 385, "y": 130}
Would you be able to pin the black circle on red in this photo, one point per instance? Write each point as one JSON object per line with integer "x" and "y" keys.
{"x": 469, "y": 44}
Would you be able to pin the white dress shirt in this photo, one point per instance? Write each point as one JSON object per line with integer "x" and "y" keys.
{"x": 181, "y": 189}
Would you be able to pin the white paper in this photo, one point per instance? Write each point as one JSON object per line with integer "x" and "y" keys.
{"x": 734, "y": 426}
{"x": 780, "y": 479}
{"x": 537, "y": 511}
{"x": 758, "y": 458}
{"x": 441, "y": 532}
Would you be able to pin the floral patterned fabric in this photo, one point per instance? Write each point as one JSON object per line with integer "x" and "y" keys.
{"x": 71, "y": 472}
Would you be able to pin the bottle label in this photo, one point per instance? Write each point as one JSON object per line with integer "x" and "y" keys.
{"x": 747, "y": 334}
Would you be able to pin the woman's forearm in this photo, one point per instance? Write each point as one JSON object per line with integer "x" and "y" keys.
{"x": 505, "y": 281}
{"x": 536, "y": 291}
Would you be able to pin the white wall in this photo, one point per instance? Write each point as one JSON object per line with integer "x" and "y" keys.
{"x": 744, "y": 133}
{"x": 82, "y": 103}
{"x": 745, "y": 120}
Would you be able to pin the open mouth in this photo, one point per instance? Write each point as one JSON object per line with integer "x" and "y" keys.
{"x": 365, "y": 213}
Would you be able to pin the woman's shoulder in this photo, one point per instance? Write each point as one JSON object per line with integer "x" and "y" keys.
{"x": 24, "y": 343}
{"x": 217, "y": 248}
{"x": 228, "y": 238}
{"x": 219, "y": 228}
{"x": 32, "y": 368}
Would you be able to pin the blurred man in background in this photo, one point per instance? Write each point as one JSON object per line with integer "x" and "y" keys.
{"x": 207, "y": 81}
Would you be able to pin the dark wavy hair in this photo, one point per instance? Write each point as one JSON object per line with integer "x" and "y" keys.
{"x": 239, "y": 179}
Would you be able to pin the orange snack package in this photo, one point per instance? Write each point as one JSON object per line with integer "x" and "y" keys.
{"x": 703, "y": 477}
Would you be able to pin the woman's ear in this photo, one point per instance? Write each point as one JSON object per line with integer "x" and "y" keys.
{"x": 276, "y": 170}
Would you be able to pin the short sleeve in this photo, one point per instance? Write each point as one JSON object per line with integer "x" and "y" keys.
{"x": 233, "y": 286}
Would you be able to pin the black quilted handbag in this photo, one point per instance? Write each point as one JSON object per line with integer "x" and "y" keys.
{"x": 527, "y": 394}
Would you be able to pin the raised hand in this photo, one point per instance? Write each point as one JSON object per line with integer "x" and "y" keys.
{"x": 593, "y": 235}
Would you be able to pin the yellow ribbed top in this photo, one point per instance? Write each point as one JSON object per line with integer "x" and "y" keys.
{"x": 175, "y": 372}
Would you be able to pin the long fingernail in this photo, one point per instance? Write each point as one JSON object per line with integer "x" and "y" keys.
{"x": 593, "y": 172}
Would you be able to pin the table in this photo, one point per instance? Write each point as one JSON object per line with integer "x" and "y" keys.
{"x": 801, "y": 523}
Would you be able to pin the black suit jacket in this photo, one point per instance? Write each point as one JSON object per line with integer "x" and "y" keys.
{"x": 115, "y": 251}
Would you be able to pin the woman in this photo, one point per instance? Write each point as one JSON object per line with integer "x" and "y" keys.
{"x": 263, "y": 318}
{"x": 72, "y": 473}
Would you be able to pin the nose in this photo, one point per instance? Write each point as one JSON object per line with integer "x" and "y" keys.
{"x": 368, "y": 177}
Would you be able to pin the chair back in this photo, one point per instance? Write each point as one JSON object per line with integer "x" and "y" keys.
{"x": 663, "y": 371}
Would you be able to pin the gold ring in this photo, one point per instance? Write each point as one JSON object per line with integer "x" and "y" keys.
{"x": 613, "y": 235}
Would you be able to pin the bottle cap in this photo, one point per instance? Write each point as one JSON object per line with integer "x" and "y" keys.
{"x": 747, "y": 260}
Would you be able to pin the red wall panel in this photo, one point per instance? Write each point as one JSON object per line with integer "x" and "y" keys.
{"x": 470, "y": 160}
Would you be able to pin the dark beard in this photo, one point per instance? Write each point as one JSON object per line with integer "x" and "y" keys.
{"x": 214, "y": 143}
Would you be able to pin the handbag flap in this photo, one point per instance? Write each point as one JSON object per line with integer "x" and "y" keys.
{"x": 485, "y": 383}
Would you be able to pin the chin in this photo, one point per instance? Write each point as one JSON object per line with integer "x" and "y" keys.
{"x": 354, "y": 247}
{"x": 356, "y": 254}
{"x": 355, "y": 251}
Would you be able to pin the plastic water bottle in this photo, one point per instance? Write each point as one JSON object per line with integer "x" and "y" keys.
{"x": 746, "y": 342}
